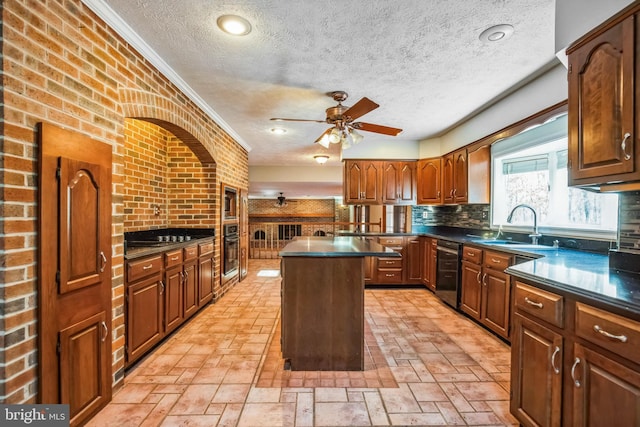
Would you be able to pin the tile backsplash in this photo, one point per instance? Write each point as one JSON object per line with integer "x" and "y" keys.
{"x": 463, "y": 216}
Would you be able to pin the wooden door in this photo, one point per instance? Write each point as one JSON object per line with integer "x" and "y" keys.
{"x": 448, "y": 177}
{"x": 144, "y": 315}
{"x": 601, "y": 107}
{"x": 205, "y": 280}
{"x": 471, "y": 289}
{"x": 536, "y": 374}
{"x": 407, "y": 186}
{"x": 461, "y": 180}
{"x": 605, "y": 392}
{"x": 173, "y": 306}
{"x": 74, "y": 285}
{"x": 391, "y": 182}
{"x": 425, "y": 255}
{"x": 353, "y": 174}
{"x": 429, "y": 181}
{"x": 496, "y": 301}
{"x": 433, "y": 265}
{"x": 371, "y": 182}
{"x": 412, "y": 251}
{"x": 190, "y": 277}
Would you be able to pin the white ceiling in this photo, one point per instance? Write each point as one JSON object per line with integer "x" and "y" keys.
{"x": 422, "y": 61}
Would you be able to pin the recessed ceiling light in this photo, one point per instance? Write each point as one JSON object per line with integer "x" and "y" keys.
{"x": 496, "y": 33}
{"x": 278, "y": 130}
{"x": 234, "y": 25}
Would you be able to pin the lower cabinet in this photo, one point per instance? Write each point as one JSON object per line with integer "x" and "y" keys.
{"x": 413, "y": 265}
{"x": 485, "y": 291}
{"x": 162, "y": 291}
{"x": 571, "y": 363}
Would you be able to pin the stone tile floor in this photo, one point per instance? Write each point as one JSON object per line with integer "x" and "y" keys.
{"x": 219, "y": 369}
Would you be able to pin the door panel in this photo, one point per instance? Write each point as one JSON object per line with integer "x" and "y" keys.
{"x": 83, "y": 357}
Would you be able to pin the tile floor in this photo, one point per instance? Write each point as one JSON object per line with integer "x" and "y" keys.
{"x": 223, "y": 369}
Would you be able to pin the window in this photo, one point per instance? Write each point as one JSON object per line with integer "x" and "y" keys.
{"x": 531, "y": 168}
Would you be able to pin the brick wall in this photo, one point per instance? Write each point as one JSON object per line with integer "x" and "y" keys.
{"x": 304, "y": 207}
{"x": 160, "y": 170}
{"x": 63, "y": 65}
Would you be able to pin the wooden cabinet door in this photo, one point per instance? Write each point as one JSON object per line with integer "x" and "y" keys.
{"x": 471, "y": 289}
{"x": 602, "y": 139}
{"x": 391, "y": 182}
{"x": 496, "y": 298}
{"x": 429, "y": 181}
{"x": 144, "y": 316}
{"x": 84, "y": 356}
{"x": 460, "y": 179}
{"x": 425, "y": 255}
{"x": 433, "y": 265}
{"x": 352, "y": 181}
{"x": 407, "y": 186}
{"x": 74, "y": 271}
{"x": 413, "y": 263}
{"x": 190, "y": 278}
{"x": 173, "y": 306}
{"x": 244, "y": 234}
{"x": 363, "y": 181}
{"x": 205, "y": 280}
{"x": 536, "y": 374}
{"x": 448, "y": 177}
{"x": 605, "y": 392}
{"x": 369, "y": 267}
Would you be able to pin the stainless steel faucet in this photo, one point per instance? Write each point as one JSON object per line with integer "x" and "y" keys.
{"x": 535, "y": 235}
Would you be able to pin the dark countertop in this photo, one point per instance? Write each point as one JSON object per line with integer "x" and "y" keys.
{"x": 160, "y": 247}
{"x": 339, "y": 246}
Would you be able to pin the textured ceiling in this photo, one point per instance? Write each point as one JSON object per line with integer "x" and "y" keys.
{"x": 422, "y": 61}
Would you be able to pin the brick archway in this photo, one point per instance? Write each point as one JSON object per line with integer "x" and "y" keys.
{"x": 159, "y": 110}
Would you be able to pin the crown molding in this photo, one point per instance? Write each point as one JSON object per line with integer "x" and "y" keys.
{"x": 111, "y": 18}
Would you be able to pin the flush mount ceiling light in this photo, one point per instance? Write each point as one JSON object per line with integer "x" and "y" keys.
{"x": 496, "y": 33}
{"x": 321, "y": 158}
{"x": 278, "y": 130}
{"x": 234, "y": 25}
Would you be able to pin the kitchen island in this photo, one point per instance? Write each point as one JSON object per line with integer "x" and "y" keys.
{"x": 323, "y": 302}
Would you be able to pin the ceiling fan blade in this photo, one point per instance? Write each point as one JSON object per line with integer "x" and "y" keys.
{"x": 360, "y": 108}
{"x": 369, "y": 127}
{"x": 322, "y": 140}
{"x": 280, "y": 119}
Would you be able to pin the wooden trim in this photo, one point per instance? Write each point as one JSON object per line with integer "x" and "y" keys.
{"x": 301, "y": 215}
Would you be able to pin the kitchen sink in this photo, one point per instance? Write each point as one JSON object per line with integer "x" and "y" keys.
{"x": 515, "y": 245}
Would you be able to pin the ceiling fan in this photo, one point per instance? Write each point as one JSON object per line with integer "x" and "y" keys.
{"x": 342, "y": 118}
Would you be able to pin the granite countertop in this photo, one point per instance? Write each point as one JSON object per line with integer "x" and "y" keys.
{"x": 160, "y": 247}
{"x": 339, "y": 246}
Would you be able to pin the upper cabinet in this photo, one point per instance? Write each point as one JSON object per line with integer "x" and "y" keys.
{"x": 399, "y": 183}
{"x": 602, "y": 138}
{"x": 363, "y": 181}
{"x": 454, "y": 177}
{"x": 430, "y": 181}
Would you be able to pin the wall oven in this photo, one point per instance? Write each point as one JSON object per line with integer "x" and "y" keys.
{"x": 231, "y": 247}
{"x": 448, "y": 272}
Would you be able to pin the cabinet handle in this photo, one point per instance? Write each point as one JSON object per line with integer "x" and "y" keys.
{"x": 624, "y": 146}
{"x": 161, "y": 287}
{"x": 576, "y": 382}
{"x": 103, "y": 261}
{"x": 533, "y": 303}
{"x": 175, "y": 258}
{"x": 598, "y": 329}
{"x": 553, "y": 360}
{"x": 478, "y": 276}
{"x": 454, "y": 192}
{"x": 106, "y": 331}
{"x": 495, "y": 261}
{"x": 438, "y": 196}
{"x": 390, "y": 275}
{"x": 146, "y": 267}
{"x": 471, "y": 254}
{"x": 484, "y": 277}
{"x": 389, "y": 262}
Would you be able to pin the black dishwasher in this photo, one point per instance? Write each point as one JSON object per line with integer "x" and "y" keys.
{"x": 448, "y": 272}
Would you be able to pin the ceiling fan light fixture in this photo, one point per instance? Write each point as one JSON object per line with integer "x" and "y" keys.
{"x": 334, "y": 136}
{"x": 234, "y": 25}
{"x": 356, "y": 137}
{"x": 321, "y": 158}
{"x": 278, "y": 130}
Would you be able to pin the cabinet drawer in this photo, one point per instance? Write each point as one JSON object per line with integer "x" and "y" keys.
{"x": 496, "y": 260}
{"x": 389, "y": 276}
{"x": 472, "y": 254}
{"x": 391, "y": 241}
{"x": 190, "y": 252}
{"x": 389, "y": 262}
{"x": 538, "y": 303}
{"x": 205, "y": 248}
{"x": 143, "y": 267}
{"x": 615, "y": 333}
{"x": 173, "y": 258}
